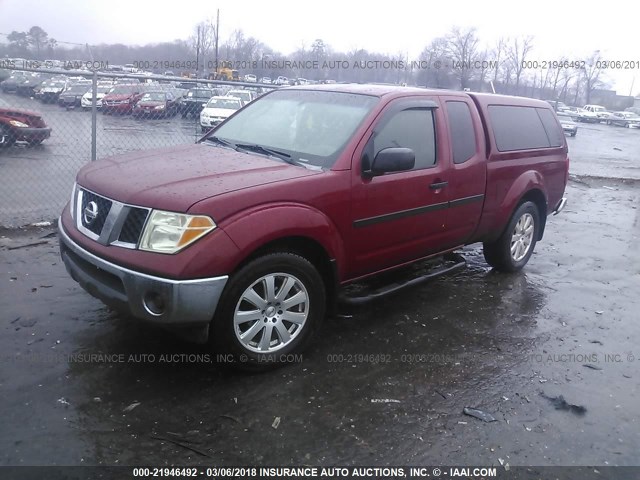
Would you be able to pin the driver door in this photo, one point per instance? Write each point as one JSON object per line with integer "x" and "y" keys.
{"x": 401, "y": 216}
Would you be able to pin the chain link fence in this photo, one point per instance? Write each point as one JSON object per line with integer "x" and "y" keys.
{"x": 54, "y": 121}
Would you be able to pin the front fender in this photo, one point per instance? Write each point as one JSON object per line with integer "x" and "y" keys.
{"x": 253, "y": 228}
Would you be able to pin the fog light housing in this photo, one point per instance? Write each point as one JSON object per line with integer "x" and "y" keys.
{"x": 154, "y": 303}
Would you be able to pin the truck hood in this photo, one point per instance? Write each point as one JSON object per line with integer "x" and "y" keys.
{"x": 175, "y": 178}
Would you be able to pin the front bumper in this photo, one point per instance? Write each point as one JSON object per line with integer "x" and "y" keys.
{"x": 184, "y": 302}
{"x": 87, "y": 102}
{"x": 117, "y": 107}
{"x": 210, "y": 122}
{"x": 32, "y": 134}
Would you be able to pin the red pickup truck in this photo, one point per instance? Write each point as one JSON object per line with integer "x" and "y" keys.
{"x": 247, "y": 237}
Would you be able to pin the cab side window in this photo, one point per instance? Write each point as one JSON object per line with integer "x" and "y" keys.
{"x": 412, "y": 128}
{"x": 463, "y": 135}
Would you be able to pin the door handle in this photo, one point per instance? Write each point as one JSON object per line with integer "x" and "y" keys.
{"x": 438, "y": 185}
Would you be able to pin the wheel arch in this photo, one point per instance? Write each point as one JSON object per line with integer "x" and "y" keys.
{"x": 308, "y": 248}
{"x": 536, "y": 196}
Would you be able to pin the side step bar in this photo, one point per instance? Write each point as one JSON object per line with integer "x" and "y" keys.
{"x": 459, "y": 262}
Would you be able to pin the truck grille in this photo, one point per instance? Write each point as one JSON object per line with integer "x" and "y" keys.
{"x": 94, "y": 210}
{"x": 108, "y": 221}
{"x": 133, "y": 225}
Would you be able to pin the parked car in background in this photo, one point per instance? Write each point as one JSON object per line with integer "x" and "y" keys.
{"x": 266, "y": 80}
{"x": 567, "y": 123}
{"x": 121, "y": 98}
{"x": 17, "y": 125}
{"x": 193, "y": 102}
{"x": 593, "y": 114}
{"x": 72, "y": 95}
{"x": 282, "y": 80}
{"x": 558, "y": 106}
{"x": 28, "y": 87}
{"x": 186, "y": 85}
{"x": 250, "y": 77}
{"x": 101, "y": 90}
{"x": 156, "y": 104}
{"x": 217, "y": 110}
{"x": 624, "y": 119}
{"x": 246, "y": 96}
{"x": 10, "y": 85}
{"x": 50, "y": 90}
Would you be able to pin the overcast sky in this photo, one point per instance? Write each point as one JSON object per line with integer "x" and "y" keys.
{"x": 559, "y": 28}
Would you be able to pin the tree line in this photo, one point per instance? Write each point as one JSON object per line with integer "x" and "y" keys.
{"x": 457, "y": 60}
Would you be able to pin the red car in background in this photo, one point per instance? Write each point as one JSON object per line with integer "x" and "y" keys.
{"x": 17, "y": 125}
{"x": 156, "y": 104}
{"x": 121, "y": 98}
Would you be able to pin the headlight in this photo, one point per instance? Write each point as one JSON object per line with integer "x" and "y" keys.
{"x": 72, "y": 203}
{"x": 159, "y": 107}
{"x": 16, "y": 123}
{"x": 168, "y": 232}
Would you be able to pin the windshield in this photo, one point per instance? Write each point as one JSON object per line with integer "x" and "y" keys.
{"x": 226, "y": 103}
{"x": 239, "y": 94}
{"x": 79, "y": 89}
{"x": 122, "y": 89}
{"x": 311, "y": 126}
{"x": 200, "y": 94}
{"x": 153, "y": 97}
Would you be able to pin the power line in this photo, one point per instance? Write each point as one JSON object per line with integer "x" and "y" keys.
{"x": 57, "y": 41}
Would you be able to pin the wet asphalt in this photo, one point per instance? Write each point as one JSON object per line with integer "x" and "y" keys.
{"x": 551, "y": 353}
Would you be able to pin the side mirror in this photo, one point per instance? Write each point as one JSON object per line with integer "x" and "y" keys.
{"x": 393, "y": 160}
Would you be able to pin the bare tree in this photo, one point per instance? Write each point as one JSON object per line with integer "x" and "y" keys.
{"x": 498, "y": 52}
{"x": 517, "y": 54}
{"x": 462, "y": 48}
{"x": 592, "y": 74}
{"x": 203, "y": 41}
{"x": 438, "y": 72}
{"x": 51, "y": 46}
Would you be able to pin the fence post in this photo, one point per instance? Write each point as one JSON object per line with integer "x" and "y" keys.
{"x": 94, "y": 115}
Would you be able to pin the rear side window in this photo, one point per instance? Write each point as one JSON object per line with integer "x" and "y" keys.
{"x": 554, "y": 132}
{"x": 463, "y": 135}
{"x": 414, "y": 129}
{"x": 517, "y": 128}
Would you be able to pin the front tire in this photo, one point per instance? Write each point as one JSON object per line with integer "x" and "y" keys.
{"x": 515, "y": 246}
{"x": 270, "y": 309}
{"x": 7, "y": 137}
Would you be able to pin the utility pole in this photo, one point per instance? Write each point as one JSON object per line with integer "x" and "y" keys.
{"x": 217, "y": 32}
{"x": 198, "y": 52}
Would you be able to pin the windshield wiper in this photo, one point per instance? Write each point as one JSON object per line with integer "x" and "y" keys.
{"x": 219, "y": 141}
{"x": 269, "y": 151}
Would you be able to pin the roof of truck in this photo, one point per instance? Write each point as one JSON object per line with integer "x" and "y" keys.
{"x": 484, "y": 99}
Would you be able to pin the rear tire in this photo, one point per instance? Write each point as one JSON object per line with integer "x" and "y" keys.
{"x": 269, "y": 311}
{"x": 512, "y": 250}
{"x": 7, "y": 137}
